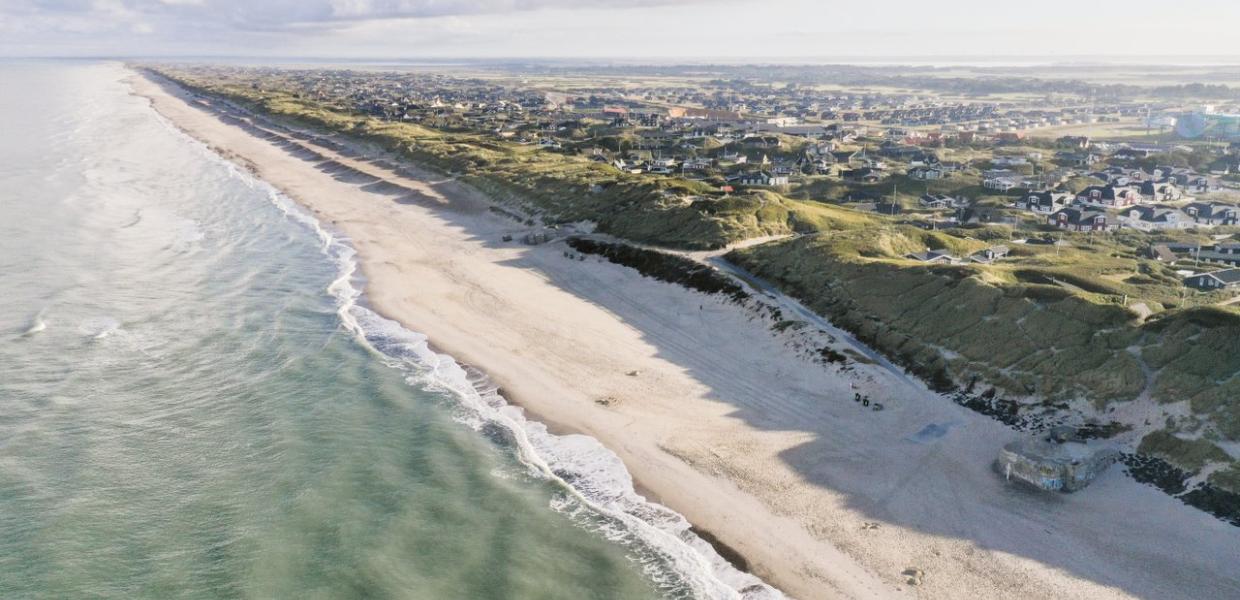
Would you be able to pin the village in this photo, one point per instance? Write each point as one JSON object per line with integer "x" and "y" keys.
{"x": 984, "y": 262}
{"x": 585, "y": 300}
{"x": 932, "y": 161}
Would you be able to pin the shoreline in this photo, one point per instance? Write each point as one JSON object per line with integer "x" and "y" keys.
{"x": 484, "y": 385}
{"x": 748, "y": 457}
{"x": 727, "y": 553}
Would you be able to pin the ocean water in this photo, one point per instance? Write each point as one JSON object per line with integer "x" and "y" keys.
{"x": 195, "y": 401}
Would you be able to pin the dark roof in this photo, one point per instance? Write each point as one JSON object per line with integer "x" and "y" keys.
{"x": 1044, "y": 198}
{"x": 1151, "y": 213}
{"x": 1107, "y": 192}
{"x": 1162, "y": 252}
{"x": 862, "y": 172}
{"x": 1182, "y": 246}
{"x": 1227, "y": 276}
{"x": 1209, "y": 210}
{"x": 1077, "y": 215}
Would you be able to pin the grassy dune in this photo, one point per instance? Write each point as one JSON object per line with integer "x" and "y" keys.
{"x": 668, "y": 211}
{"x": 1052, "y": 322}
{"x": 1025, "y": 338}
{"x": 1036, "y": 331}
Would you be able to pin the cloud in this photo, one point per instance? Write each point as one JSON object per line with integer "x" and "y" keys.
{"x": 274, "y": 14}
{"x": 742, "y": 29}
{"x": 371, "y": 9}
{"x": 74, "y": 17}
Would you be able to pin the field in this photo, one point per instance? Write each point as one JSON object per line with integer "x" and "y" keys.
{"x": 1128, "y": 129}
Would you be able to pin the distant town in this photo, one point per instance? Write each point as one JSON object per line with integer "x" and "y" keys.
{"x": 937, "y": 160}
{"x": 1044, "y": 249}
{"x": 573, "y": 299}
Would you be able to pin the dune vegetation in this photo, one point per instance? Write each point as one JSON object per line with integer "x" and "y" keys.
{"x": 1050, "y": 326}
{"x": 1088, "y": 317}
{"x": 560, "y": 188}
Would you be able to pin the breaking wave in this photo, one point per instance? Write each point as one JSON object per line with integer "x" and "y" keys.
{"x": 99, "y": 328}
{"x": 597, "y": 490}
{"x": 37, "y": 324}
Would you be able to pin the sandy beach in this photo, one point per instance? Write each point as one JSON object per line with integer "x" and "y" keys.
{"x": 725, "y": 421}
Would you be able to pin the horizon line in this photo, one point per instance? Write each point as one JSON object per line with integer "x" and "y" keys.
{"x": 922, "y": 60}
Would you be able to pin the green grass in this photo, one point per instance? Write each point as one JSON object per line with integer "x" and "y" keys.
{"x": 901, "y": 188}
{"x": 666, "y": 211}
{"x": 1190, "y": 455}
{"x": 1026, "y": 328}
{"x": 1050, "y": 321}
{"x": 1228, "y": 478}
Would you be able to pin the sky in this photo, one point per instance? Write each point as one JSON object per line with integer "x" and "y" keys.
{"x": 688, "y": 30}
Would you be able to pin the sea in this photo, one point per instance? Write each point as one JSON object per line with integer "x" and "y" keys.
{"x": 197, "y": 402}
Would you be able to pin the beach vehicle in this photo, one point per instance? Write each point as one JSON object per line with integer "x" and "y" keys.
{"x": 1057, "y": 460}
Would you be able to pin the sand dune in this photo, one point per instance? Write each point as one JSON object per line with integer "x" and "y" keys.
{"x": 724, "y": 420}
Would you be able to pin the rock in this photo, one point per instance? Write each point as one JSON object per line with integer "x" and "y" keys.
{"x": 869, "y": 525}
{"x": 913, "y": 575}
{"x": 633, "y": 373}
{"x": 605, "y": 400}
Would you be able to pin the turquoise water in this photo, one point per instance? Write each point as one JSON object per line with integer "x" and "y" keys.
{"x": 193, "y": 401}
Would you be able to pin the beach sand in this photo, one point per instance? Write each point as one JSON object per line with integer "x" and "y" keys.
{"x": 726, "y": 422}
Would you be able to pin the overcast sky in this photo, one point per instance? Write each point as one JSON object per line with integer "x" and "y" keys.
{"x": 637, "y": 29}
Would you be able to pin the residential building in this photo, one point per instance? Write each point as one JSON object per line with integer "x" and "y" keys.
{"x": 1043, "y": 202}
{"x": 1148, "y": 218}
{"x": 1079, "y": 219}
{"x": 1214, "y": 280}
{"x": 1107, "y": 195}
{"x": 762, "y": 179}
{"x": 1213, "y": 213}
{"x": 991, "y": 254}
{"x": 931, "y": 256}
{"x": 941, "y": 201}
{"x": 926, "y": 173}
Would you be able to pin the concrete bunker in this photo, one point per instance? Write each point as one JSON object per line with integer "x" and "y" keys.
{"x": 1058, "y": 460}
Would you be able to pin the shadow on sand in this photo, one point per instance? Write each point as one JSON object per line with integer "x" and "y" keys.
{"x": 1117, "y": 533}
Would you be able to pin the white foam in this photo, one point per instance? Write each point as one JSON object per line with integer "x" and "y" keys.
{"x": 99, "y": 328}
{"x": 600, "y": 489}
{"x": 599, "y": 492}
{"x": 186, "y": 235}
{"x": 37, "y": 324}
